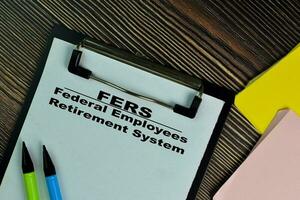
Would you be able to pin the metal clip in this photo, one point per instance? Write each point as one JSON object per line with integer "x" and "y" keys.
{"x": 76, "y": 69}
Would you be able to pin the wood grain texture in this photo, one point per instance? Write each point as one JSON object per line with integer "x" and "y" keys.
{"x": 23, "y": 32}
{"x": 224, "y": 42}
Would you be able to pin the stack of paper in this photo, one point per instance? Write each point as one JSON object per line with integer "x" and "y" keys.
{"x": 271, "y": 172}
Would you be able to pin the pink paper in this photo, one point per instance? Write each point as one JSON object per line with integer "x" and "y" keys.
{"x": 272, "y": 170}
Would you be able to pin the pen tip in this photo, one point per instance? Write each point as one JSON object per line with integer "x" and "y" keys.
{"x": 27, "y": 164}
{"x": 24, "y": 147}
{"x": 49, "y": 168}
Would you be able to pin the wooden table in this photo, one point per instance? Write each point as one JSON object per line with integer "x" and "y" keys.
{"x": 224, "y": 42}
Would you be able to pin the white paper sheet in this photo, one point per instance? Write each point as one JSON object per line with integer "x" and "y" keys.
{"x": 96, "y": 161}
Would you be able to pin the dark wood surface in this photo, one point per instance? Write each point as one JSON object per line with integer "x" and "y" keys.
{"x": 224, "y": 42}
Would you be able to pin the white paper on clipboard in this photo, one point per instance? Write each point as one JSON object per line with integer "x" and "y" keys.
{"x": 115, "y": 157}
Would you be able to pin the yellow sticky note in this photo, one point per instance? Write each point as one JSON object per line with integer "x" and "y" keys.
{"x": 275, "y": 89}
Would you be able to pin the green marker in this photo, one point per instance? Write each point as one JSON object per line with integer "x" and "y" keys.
{"x": 29, "y": 175}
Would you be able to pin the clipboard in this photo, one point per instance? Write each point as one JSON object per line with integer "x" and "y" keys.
{"x": 186, "y": 110}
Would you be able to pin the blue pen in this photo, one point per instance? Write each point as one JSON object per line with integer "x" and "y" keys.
{"x": 51, "y": 178}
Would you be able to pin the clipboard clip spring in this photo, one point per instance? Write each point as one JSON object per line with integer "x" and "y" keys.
{"x": 76, "y": 69}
